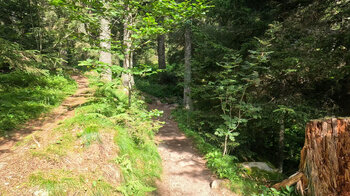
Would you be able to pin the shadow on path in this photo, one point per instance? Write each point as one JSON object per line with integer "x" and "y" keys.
{"x": 184, "y": 170}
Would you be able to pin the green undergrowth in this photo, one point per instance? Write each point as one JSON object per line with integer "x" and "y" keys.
{"x": 161, "y": 85}
{"x": 242, "y": 181}
{"x": 138, "y": 157}
{"x": 131, "y": 129}
{"x": 26, "y": 95}
{"x": 139, "y": 162}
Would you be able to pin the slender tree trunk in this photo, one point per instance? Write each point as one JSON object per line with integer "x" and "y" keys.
{"x": 225, "y": 146}
{"x": 105, "y": 55}
{"x": 82, "y": 29}
{"x": 187, "y": 73}
{"x": 127, "y": 78}
{"x": 281, "y": 146}
{"x": 161, "y": 52}
{"x": 33, "y": 26}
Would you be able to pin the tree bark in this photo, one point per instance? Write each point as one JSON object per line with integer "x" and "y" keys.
{"x": 161, "y": 52}
{"x": 187, "y": 71}
{"x": 325, "y": 158}
{"x": 128, "y": 78}
{"x": 105, "y": 55}
{"x": 281, "y": 146}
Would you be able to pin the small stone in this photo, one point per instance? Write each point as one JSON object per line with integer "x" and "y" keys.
{"x": 173, "y": 106}
{"x": 215, "y": 184}
{"x": 2, "y": 165}
{"x": 260, "y": 165}
{"x": 40, "y": 193}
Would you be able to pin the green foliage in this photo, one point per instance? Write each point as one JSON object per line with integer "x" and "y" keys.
{"x": 287, "y": 191}
{"x": 139, "y": 162}
{"x": 138, "y": 156}
{"x": 13, "y": 57}
{"x": 89, "y": 135}
{"x": 255, "y": 56}
{"x": 37, "y": 34}
{"x": 25, "y": 95}
{"x": 231, "y": 88}
{"x": 161, "y": 85}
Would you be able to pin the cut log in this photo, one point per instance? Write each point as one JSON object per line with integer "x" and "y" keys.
{"x": 325, "y": 158}
{"x": 295, "y": 178}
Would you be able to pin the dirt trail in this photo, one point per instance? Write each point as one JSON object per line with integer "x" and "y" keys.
{"x": 184, "y": 170}
{"x": 15, "y": 160}
{"x": 48, "y": 121}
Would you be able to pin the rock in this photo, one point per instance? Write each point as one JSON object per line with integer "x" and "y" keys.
{"x": 41, "y": 193}
{"x": 173, "y": 106}
{"x": 158, "y": 102}
{"x": 2, "y": 165}
{"x": 260, "y": 165}
{"x": 215, "y": 184}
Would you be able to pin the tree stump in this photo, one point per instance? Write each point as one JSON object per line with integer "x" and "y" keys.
{"x": 325, "y": 158}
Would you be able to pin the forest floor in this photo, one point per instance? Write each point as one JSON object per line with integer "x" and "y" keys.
{"x": 47, "y": 121}
{"x": 35, "y": 155}
{"x": 184, "y": 169}
{"x": 31, "y": 157}
{"x": 16, "y": 162}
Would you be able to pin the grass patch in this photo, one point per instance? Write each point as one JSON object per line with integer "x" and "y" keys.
{"x": 24, "y": 96}
{"x": 90, "y": 135}
{"x": 81, "y": 130}
{"x": 140, "y": 164}
{"x": 63, "y": 182}
{"x": 56, "y": 150}
{"x": 138, "y": 157}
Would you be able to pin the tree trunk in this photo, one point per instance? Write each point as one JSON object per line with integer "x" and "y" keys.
{"x": 281, "y": 146}
{"x": 325, "y": 158}
{"x": 161, "y": 52}
{"x": 82, "y": 29}
{"x": 128, "y": 78}
{"x": 225, "y": 146}
{"x": 187, "y": 71}
{"x": 105, "y": 55}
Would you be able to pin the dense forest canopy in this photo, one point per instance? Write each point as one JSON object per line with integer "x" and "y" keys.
{"x": 249, "y": 73}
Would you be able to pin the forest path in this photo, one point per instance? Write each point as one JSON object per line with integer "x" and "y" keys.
{"x": 16, "y": 162}
{"x": 47, "y": 121}
{"x": 184, "y": 170}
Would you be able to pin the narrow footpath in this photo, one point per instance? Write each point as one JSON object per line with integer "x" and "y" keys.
{"x": 184, "y": 170}
{"x": 16, "y": 162}
{"x": 47, "y": 121}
